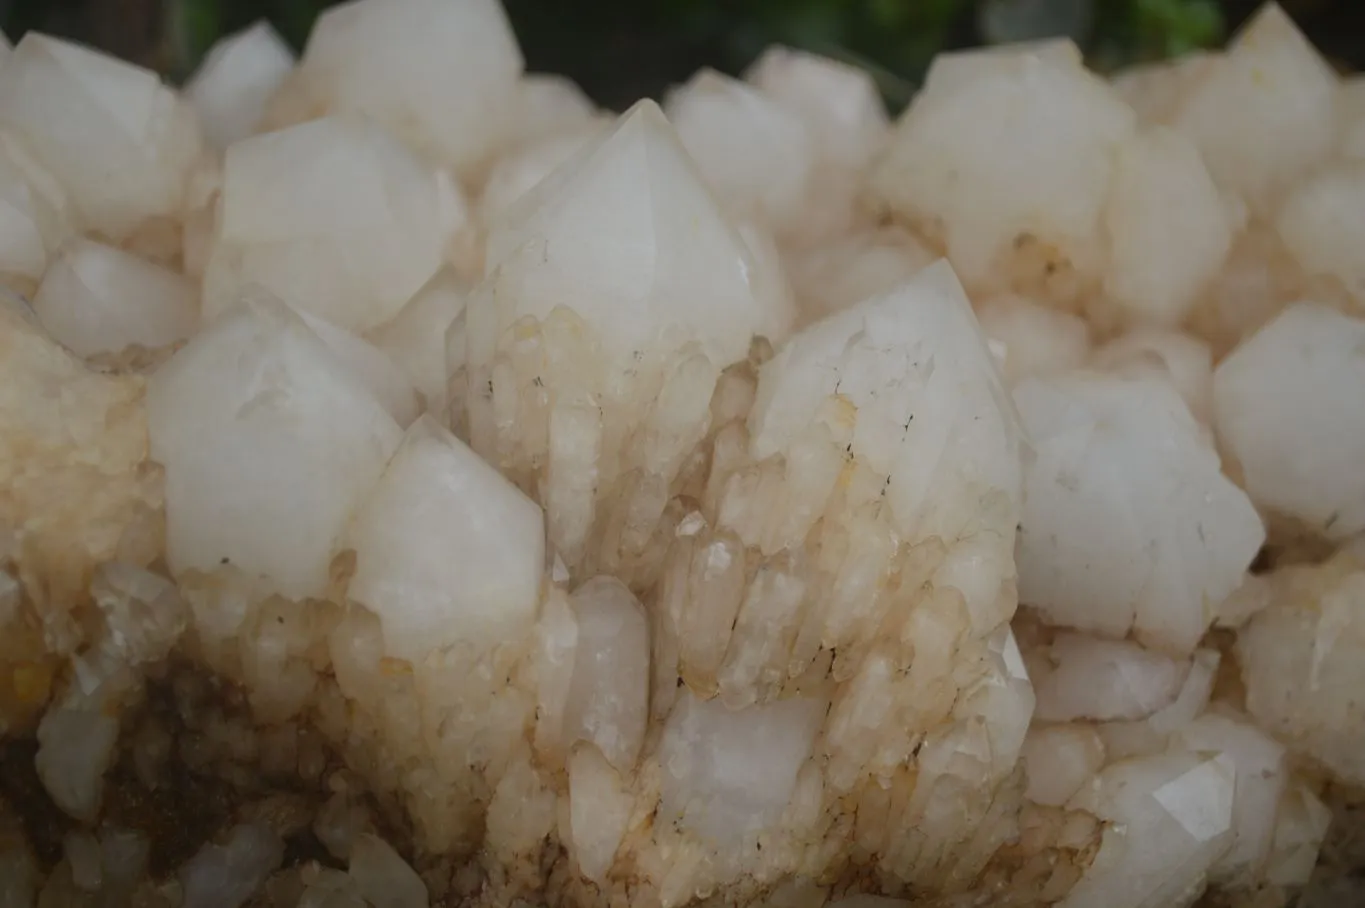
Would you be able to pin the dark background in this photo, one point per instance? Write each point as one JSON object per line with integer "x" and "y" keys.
{"x": 620, "y": 50}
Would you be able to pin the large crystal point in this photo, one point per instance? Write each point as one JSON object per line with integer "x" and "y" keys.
{"x": 269, "y": 441}
{"x": 1262, "y": 114}
{"x": 870, "y": 433}
{"x": 446, "y": 549}
{"x": 756, "y": 155}
{"x": 440, "y": 73}
{"x": 119, "y": 141}
{"x": 232, "y": 86}
{"x": 617, "y": 293}
{"x": 852, "y": 542}
{"x": 1286, "y": 404}
{"x": 98, "y": 299}
{"x": 335, "y": 217}
{"x": 1129, "y": 523}
{"x": 982, "y": 157}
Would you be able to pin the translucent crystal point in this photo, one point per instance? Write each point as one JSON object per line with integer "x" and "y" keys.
{"x": 617, "y": 292}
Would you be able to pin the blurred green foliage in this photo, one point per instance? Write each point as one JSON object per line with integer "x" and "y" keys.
{"x": 621, "y": 49}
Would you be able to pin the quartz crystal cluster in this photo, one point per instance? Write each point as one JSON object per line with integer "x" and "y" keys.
{"x": 419, "y": 487}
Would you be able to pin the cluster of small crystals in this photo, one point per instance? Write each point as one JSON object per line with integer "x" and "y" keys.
{"x": 744, "y": 501}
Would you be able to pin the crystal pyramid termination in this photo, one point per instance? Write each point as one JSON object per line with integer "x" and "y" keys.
{"x": 583, "y": 379}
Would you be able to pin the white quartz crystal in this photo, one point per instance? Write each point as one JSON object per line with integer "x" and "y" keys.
{"x": 1129, "y": 523}
{"x": 1157, "y": 174}
{"x": 756, "y": 155}
{"x": 414, "y": 339}
{"x": 1182, "y": 359}
{"x": 600, "y": 809}
{"x": 1261, "y": 772}
{"x": 403, "y": 458}
{"x": 930, "y": 413}
{"x": 388, "y": 384}
{"x": 121, "y": 143}
{"x": 1286, "y": 410}
{"x": 1037, "y": 339}
{"x": 1261, "y": 114}
{"x": 847, "y": 271}
{"x": 955, "y": 160}
{"x": 1318, "y": 221}
{"x": 953, "y": 68}
{"x": 617, "y": 292}
{"x": 839, "y": 103}
{"x": 547, "y": 105}
{"x": 608, "y": 694}
{"x": 1301, "y": 824}
{"x": 679, "y": 247}
{"x": 728, "y": 775}
{"x": 1300, "y": 660}
{"x": 269, "y": 441}
{"x": 1169, "y": 818}
{"x": 441, "y": 74}
{"x": 1104, "y": 679}
{"x": 235, "y": 81}
{"x": 1155, "y": 89}
{"x": 842, "y": 109}
{"x": 36, "y": 216}
{"x": 99, "y": 299}
{"x": 518, "y": 171}
{"x": 335, "y": 217}
{"x": 446, "y": 549}
{"x": 1059, "y": 760}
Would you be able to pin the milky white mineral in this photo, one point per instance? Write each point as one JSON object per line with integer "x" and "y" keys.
{"x": 257, "y": 420}
{"x": 1122, "y": 493}
{"x": 442, "y": 75}
{"x": 843, "y": 272}
{"x": 1299, "y": 659}
{"x": 119, "y": 141}
{"x": 446, "y": 549}
{"x": 1318, "y": 219}
{"x": 1037, "y": 339}
{"x": 847, "y": 123}
{"x": 99, "y": 299}
{"x": 1286, "y": 408}
{"x": 1157, "y": 173}
{"x": 1271, "y": 82}
{"x": 407, "y": 465}
{"x": 518, "y": 171}
{"x": 1104, "y": 679}
{"x": 236, "y": 81}
{"x": 334, "y": 216}
{"x": 651, "y": 338}
{"x": 35, "y": 219}
{"x": 756, "y": 155}
{"x": 414, "y": 339}
{"x": 1181, "y": 359}
{"x": 952, "y": 167}
{"x": 548, "y": 105}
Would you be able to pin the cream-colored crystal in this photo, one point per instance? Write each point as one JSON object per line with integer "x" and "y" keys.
{"x": 335, "y": 217}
